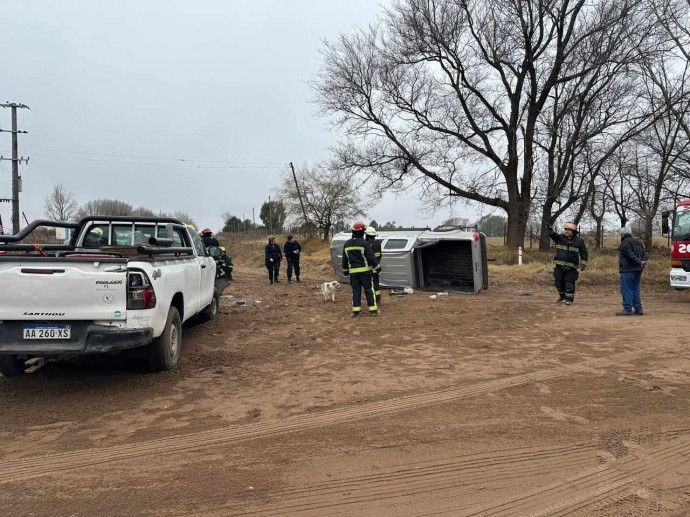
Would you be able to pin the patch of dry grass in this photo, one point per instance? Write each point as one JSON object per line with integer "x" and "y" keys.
{"x": 536, "y": 271}
{"x": 248, "y": 251}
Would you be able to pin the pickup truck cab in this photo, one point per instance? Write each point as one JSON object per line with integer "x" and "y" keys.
{"x": 119, "y": 283}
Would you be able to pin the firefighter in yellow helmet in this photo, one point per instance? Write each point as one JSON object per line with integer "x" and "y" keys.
{"x": 571, "y": 254}
{"x": 359, "y": 262}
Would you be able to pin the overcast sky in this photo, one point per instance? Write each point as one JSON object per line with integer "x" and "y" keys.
{"x": 173, "y": 105}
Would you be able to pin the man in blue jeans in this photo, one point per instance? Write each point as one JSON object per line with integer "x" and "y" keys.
{"x": 632, "y": 259}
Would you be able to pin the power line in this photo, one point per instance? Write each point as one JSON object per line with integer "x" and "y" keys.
{"x": 157, "y": 158}
{"x": 154, "y": 164}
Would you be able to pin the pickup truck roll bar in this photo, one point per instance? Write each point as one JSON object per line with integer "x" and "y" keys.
{"x": 150, "y": 251}
{"x": 27, "y": 230}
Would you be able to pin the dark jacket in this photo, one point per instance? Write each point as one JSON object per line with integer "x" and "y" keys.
{"x": 569, "y": 253}
{"x": 290, "y": 247}
{"x": 631, "y": 254}
{"x": 358, "y": 257}
{"x": 272, "y": 251}
{"x": 210, "y": 241}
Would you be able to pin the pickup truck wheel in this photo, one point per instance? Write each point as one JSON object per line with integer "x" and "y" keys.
{"x": 211, "y": 310}
{"x": 164, "y": 351}
{"x": 11, "y": 366}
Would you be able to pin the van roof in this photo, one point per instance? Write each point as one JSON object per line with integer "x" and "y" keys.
{"x": 415, "y": 234}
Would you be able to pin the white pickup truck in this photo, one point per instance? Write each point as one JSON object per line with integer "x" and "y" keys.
{"x": 119, "y": 283}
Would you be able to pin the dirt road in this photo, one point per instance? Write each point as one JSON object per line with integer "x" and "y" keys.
{"x": 499, "y": 404}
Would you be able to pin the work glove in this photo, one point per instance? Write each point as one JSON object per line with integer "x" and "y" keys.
{"x": 582, "y": 268}
{"x": 271, "y": 260}
{"x": 645, "y": 263}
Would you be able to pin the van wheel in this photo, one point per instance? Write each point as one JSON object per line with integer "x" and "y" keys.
{"x": 164, "y": 351}
{"x": 11, "y": 366}
{"x": 210, "y": 310}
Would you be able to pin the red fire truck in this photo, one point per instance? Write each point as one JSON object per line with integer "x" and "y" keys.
{"x": 676, "y": 224}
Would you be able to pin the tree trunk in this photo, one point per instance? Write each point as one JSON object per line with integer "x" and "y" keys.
{"x": 517, "y": 224}
{"x": 599, "y": 240}
{"x": 648, "y": 237}
{"x": 546, "y": 218}
{"x": 326, "y": 231}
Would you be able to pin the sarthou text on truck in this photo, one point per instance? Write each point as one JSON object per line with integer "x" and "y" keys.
{"x": 119, "y": 283}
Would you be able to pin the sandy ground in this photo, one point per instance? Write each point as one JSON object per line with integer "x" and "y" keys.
{"x": 503, "y": 403}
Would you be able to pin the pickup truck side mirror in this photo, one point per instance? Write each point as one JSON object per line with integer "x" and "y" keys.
{"x": 214, "y": 251}
{"x": 664, "y": 223}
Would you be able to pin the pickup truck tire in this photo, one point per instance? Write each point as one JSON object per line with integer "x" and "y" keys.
{"x": 11, "y": 366}
{"x": 208, "y": 313}
{"x": 164, "y": 351}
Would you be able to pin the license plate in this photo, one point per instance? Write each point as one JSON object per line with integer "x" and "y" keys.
{"x": 47, "y": 332}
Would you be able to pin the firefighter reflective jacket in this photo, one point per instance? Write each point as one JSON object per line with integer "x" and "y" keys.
{"x": 376, "y": 248}
{"x": 569, "y": 252}
{"x": 358, "y": 257}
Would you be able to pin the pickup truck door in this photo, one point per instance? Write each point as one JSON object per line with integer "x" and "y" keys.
{"x": 207, "y": 265}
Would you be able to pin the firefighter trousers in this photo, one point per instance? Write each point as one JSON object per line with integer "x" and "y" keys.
{"x": 377, "y": 287}
{"x": 359, "y": 282}
{"x": 565, "y": 278}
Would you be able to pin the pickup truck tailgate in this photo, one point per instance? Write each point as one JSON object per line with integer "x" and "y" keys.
{"x": 63, "y": 289}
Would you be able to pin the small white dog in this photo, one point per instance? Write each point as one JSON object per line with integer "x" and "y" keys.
{"x": 328, "y": 290}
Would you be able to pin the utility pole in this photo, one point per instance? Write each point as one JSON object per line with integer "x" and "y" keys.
{"x": 270, "y": 216}
{"x": 299, "y": 195}
{"x": 16, "y": 178}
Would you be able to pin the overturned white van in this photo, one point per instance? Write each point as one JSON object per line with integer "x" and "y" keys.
{"x": 443, "y": 259}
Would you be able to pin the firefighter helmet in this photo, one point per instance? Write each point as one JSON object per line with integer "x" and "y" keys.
{"x": 205, "y": 231}
{"x": 570, "y": 226}
{"x": 359, "y": 226}
{"x": 370, "y": 231}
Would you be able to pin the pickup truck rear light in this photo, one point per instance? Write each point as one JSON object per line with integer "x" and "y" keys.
{"x": 140, "y": 293}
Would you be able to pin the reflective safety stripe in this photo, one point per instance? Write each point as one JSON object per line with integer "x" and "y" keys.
{"x": 564, "y": 263}
{"x": 373, "y": 308}
{"x": 574, "y": 249}
{"x": 583, "y": 262}
{"x": 356, "y": 309}
{"x": 355, "y": 270}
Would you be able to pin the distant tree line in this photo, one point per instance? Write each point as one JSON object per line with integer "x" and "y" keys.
{"x": 61, "y": 205}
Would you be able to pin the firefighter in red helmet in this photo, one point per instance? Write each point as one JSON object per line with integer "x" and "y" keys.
{"x": 359, "y": 262}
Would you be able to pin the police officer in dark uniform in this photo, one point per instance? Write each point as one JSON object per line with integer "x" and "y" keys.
{"x": 273, "y": 256}
{"x": 370, "y": 237}
{"x": 359, "y": 262}
{"x": 292, "y": 250}
{"x": 571, "y": 254}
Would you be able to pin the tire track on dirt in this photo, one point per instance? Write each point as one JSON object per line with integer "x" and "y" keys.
{"x": 427, "y": 477}
{"x": 26, "y": 468}
{"x": 412, "y": 480}
{"x": 588, "y": 488}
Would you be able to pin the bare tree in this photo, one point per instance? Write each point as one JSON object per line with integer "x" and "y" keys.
{"x": 328, "y": 196}
{"x": 60, "y": 204}
{"x": 104, "y": 207}
{"x": 447, "y": 94}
